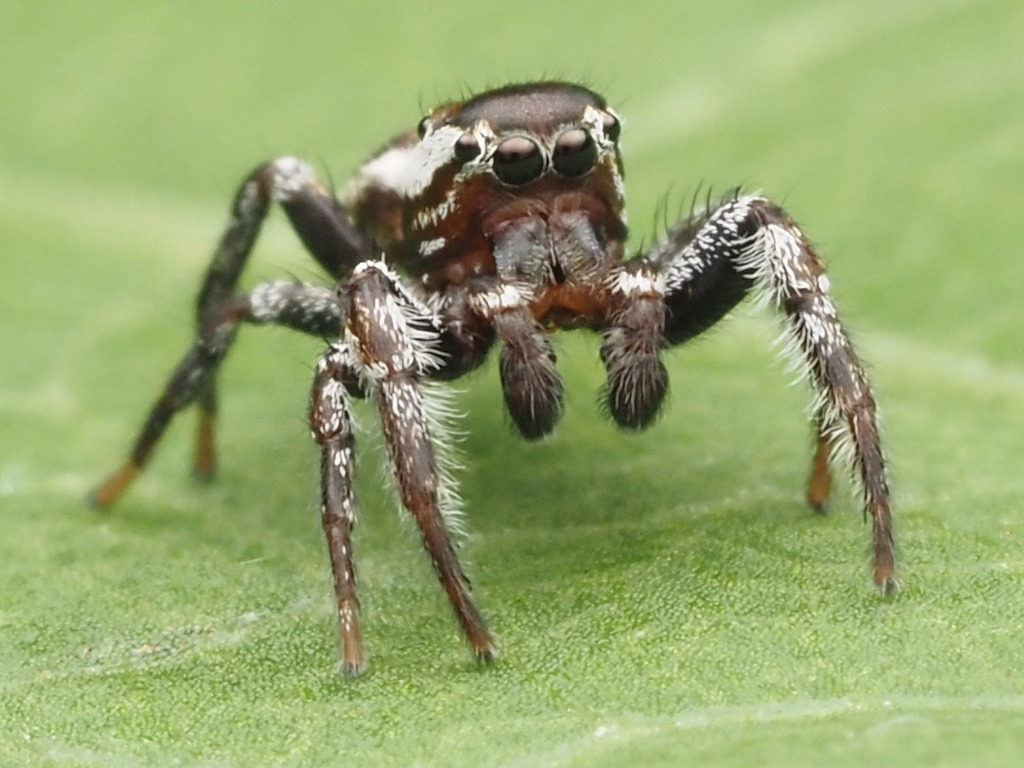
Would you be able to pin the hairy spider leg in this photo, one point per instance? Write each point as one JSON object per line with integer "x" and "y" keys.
{"x": 395, "y": 340}
{"x": 328, "y": 233}
{"x": 747, "y": 243}
{"x": 330, "y": 420}
{"x": 323, "y": 225}
{"x": 311, "y": 309}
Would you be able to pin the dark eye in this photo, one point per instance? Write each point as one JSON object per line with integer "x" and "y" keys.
{"x": 466, "y": 147}
{"x": 575, "y": 152}
{"x": 518, "y": 160}
{"x": 421, "y": 129}
{"x": 611, "y": 125}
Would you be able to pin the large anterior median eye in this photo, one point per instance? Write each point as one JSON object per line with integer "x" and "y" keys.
{"x": 518, "y": 160}
{"x": 575, "y": 152}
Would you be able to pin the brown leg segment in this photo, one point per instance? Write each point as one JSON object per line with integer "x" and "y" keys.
{"x": 114, "y": 485}
{"x": 331, "y": 424}
{"x": 308, "y": 308}
{"x": 871, "y": 466}
{"x": 180, "y": 390}
{"x": 819, "y": 487}
{"x": 206, "y": 457}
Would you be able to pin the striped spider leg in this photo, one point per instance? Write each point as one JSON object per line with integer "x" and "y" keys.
{"x": 329, "y": 235}
{"x": 700, "y": 271}
{"x": 390, "y": 343}
{"x": 383, "y": 324}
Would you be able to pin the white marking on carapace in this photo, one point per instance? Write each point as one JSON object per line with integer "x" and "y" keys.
{"x": 434, "y": 216}
{"x": 408, "y": 170}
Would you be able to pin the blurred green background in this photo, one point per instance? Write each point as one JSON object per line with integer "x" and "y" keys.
{"x": 663, "y": 598}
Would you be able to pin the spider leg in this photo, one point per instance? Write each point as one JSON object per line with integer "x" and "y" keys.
{"x": 309, "y": 308}
{"x": 396, "y": 340}
{"x": 321, "y": 222}
{"x": 819, "y": 485}
{"x": 330, "y": 420}
{"x": 711, "y": 261}
{"x": 466, "y": 338}
{"x": 323, "y": 225}
{"x": 328, "y": 233}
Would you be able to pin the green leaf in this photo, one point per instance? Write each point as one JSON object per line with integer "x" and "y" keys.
{"x": 660, "y": 599}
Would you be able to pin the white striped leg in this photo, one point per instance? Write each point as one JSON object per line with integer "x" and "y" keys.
{"x": 750, "y": 240}
{"x": 311, "y": 309}
{"x": 330, "y": 420}
{"x": 395, "y": 339}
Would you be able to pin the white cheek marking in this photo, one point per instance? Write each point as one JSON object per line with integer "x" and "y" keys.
{"x": 409, "y": 170}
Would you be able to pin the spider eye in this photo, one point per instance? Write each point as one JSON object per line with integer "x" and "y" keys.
{"x": 575, "y": 152}
{"x": 421, "y": 129}
{"x": 466, "y": 147}
{"x": 518, "y": 160}
{"x": 611, "y": 126}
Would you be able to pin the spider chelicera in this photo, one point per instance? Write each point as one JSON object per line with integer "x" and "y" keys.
{"x": 502, "y": 219}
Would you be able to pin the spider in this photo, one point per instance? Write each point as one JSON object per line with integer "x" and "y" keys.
{"x": 498, "y": 220}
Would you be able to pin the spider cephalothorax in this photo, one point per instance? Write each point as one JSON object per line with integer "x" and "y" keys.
{"x": 499, "y": 220}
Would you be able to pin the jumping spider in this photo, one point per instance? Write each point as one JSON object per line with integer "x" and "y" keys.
{"x": 502, "y": 218}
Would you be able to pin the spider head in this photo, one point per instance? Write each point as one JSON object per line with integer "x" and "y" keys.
{"x": 533, "y": 166}
{"x": 538, "y": 162}
{"x": 523, "y": 134}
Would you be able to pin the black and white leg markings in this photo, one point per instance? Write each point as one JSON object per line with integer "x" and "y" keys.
{"x": 330, "y": 420}
{"x": 327, "y": 231}
{"x": 750, "y": 240}
{"x": 391, "y": 339}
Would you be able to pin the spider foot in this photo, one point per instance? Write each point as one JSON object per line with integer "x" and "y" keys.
{"x": 486, "y": 654}
{"x": 819, "y": 486}
{"x": 113, "y": 486}
{"x": 351, "y": 669}
{"x": 886, "y": 582}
